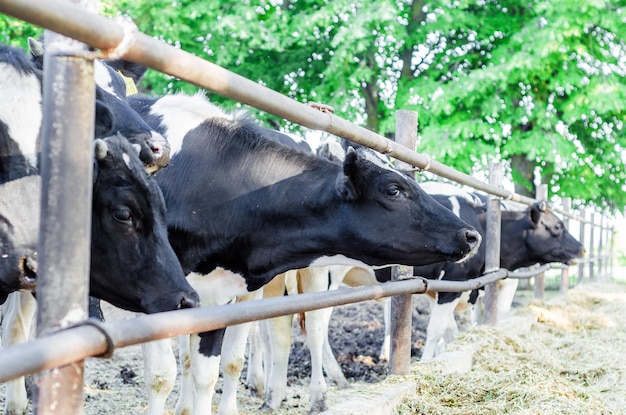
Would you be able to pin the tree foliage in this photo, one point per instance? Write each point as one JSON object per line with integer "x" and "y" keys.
{"x": 537, "y": 84}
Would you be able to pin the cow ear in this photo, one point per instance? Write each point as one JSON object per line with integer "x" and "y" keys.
{"x": 131, "y": 70}
{"x": 345, "y": 183}
{"x": 104, "y": 121}
{"x": 536, "y": 210}
{"x": 35, "y": 46}
{"x": 100, "y": 151}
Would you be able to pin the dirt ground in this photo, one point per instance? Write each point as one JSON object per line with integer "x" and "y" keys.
{"x": 115, "y": 386}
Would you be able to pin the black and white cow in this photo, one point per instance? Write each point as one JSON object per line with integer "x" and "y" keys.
{"x": 243, "y": 208}
{"x": 133, "y": 265}
{"x": 124, "y": 197}
{"x": 532, "y": 235}
{"x": 114, "y": 83}
{"x": 20, "y": 121}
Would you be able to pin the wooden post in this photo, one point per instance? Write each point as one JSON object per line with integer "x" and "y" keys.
{"x": 581, "y": 267}
{"x": 539, "y": 279}
{"x": 592, "y": 231}
{"x": 65, "y": 226}
{"x": 492, "y": 245}
{"x": 611, "y": 252}
{"x": 567, "y": 204}
{"x": 401, "y": 305}
{"x": 601, "y": 261}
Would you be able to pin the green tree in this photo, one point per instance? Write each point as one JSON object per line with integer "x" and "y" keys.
{"x": 15, "y": 32}
{"x": 538, "y": 84}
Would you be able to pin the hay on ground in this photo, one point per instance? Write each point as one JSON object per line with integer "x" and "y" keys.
{"x": 570, "y": 362}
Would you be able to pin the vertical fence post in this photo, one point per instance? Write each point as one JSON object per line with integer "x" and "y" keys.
{"x": 601, "y": 260}
{"x": 612, "y": 252}
{"x": 581, "y": 239}
{"x": 401, "y": 305}
{"x": 492, "y": 244}
{"x": 592, "y": 259}
{"x": 65, "y": 230}
{"x": 539, "y": 279}
{"x": 567, "y": 204}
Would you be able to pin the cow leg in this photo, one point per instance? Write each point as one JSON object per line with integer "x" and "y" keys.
{"x": 331, "y": 367}
{"x": 159, "y": 368}
{"x": 279, "y": 330}
{"x": 476, "y": 311}
{"x": 255, "y": 376}
{"x": 205, "y": 364}
{"x": 452, "y": 330}
{"x": 506, "y": 293}
{"x": 386, "y": 347}
{"x": 184, "y": 404}
{"x": 316, "y": 279}
{"x": 19, "y": 310}
{"x": 233, "y": 352}
{"x": 437, "y": 326}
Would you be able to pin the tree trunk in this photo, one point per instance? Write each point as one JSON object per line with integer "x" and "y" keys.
{"x": 524, "y": 169}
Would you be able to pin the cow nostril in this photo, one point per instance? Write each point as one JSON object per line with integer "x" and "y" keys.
{"x": 189, "y": 301}
{"x": 473, "y": 238}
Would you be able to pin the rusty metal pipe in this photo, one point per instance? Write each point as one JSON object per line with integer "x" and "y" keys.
{"x": 76, "y": 343}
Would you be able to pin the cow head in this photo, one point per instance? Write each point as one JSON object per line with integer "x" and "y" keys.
{"x": 548, "y": 239}
{"x": 133, "y": 266}
{"x": 396, "y": 209}
{"x": 113, "y": 114}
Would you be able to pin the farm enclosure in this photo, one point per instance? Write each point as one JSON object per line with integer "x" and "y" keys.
{"x": 554, "y": 357}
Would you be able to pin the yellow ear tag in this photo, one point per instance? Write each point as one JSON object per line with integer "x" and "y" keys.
{"x": 131, "y": 88}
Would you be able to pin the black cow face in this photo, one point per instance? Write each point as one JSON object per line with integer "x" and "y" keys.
{"x": 396, "y": 211}
{"x": 548, "y": 239}
{"x": 133, "y": 266}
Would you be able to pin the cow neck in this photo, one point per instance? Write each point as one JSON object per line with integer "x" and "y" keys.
{"x": 246, "y": 205}
{"x": 515, "y": 225}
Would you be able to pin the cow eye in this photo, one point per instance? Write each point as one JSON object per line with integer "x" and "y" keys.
{"x": 392, "y": 191}
{"x": 123, "y": 215}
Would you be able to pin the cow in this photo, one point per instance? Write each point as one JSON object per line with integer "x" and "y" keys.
{"x": 114, "y": 84}
{"x": 20, "y": 83}
{"x": 132, "y": 191}
{"x": 243, "y": 208}
{"x": 132, "y": 264}
{"x": 530, "y": 235}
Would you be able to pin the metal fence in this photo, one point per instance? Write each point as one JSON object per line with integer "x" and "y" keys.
{"x": 63, "y": 347}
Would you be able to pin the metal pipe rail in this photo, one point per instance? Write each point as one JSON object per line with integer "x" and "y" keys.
{"x": 78, "y": 342}
{"x": 533, "y": 272}
{"x": 105, "y": 34}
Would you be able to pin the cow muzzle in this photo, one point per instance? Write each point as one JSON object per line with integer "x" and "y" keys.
{"x": 473, "y": 239}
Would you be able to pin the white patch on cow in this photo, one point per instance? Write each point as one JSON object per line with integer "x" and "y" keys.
{"x": 19, "y": 310}
{"x": 441, "y": 274}
{"x": 103, "y": 78}
{"x": 380, "y": 161}
{"x": 181, "y": 113}
{"x": 332, "y": 148}
{"x": 506, "y": 294}
{"x": 438, "y": 325}
{"x": 218, "y": 287}
{"x": 159, "y": 145}
{"x": 456, "y": 207}
{"x": 20, "y": 109}
{"x": 340, "y": 260}
{"x": 159, "y": 373}
{"x": 439, "y": 188}
{"x": 126, "y": 159}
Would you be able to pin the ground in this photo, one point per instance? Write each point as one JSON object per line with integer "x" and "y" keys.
{"x": 589, "y": 377}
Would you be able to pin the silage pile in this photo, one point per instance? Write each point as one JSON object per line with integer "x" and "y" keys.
{"x": 571, "y": 361}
